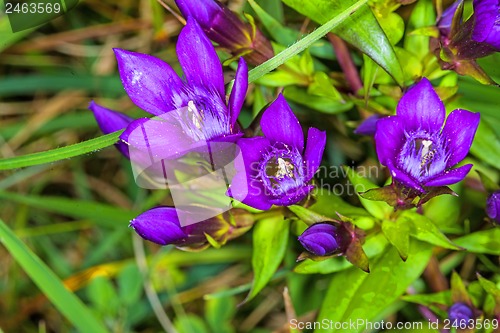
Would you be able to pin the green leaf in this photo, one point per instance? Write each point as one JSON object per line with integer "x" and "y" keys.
{"x": 129, "y": 284}
{"x": 219, "y": 312}
{"x": 103, "y": 215}
{"x": 486, "y": 145}
{"x": 360, "y": 29}
{"x": 343, "y": 14}
{"x": 103, "y": 296}
{"x": 354, "y": 294}
{"x": 269, "y": 244}
{"x": 65, "y": 301}
{"x": 306, "y": 215}
{"x": 423, "y": 15}
{"x": 485, "y": 241}
{"x": 190, "y": 324}
{"x": 323, "y": 104}
{"x": 278, "y": 32}
{"x": 490, "y": 288}
{"x": 378, "y": 209}
{"x": 425, "y": 230}
{"x": 398, "y": 234}
{"x": 7, "y": 37}
{"x": 62, "y": 153}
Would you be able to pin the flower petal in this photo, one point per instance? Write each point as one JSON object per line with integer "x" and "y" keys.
{"x": 149, "y": 82}
{"x": 239, "y": 91}
{"x": 389, "y": 138}
{"x": 403, "y": 178}
{"x": 316, "y": 141}
{"x": 421, "y": 108}
{"x": 198, "y": 58}
{"x": 486, "y": 25}
{"x": 251, "y": 150}
{"x": 450, "y": 177}
{"x": 110, "y": 121}
{"x": 294, "y": 197}
{"x": 159, "y": 225}
{"x": 368, "y": 126}
{"x": 202, "y": 10}
{"x": 151, "y": 140}
{"x": 458, "y": 133}
{"x": 249, "y": 191}
{"x": 279, "y": 124}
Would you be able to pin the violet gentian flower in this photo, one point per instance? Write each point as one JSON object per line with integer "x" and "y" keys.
{"x": 226, "y": 29}
{"x": 493, "y": 206}
{"x": 417, "y": 149}
{"x": 191, "y": 112}
{"x": 161, "y": 225}
{"x": 368, "y": 126}
{"x": 445, "y": 21}
{"x": 110, "y": 121}
{"x": 460, "y": 312}
{"x": 277, "y": 169}
{"x": 321, "y": 239}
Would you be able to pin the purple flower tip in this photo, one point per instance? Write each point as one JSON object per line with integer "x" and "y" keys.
{"x": 320, "y": 239}
{"x": 159, "y": 225}
{"x": 487, "y": 22}
{"x": 368, "y": 126}
{"x": 459, "y": 312}
{"x": 415, "y": 146}
{"x": 493, "y": 206}
{"x": 445, "y": 21}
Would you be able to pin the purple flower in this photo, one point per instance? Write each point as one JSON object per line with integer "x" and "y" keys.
{"x": 191, "y": 112}
{"x": 110, "y": 121}
{"x": 487, "y": 22}
{"x": 162, "y": 225}
{"x": 321, "y": 239}
{"x": 493, "y": 206}
{"x": 277, "y": 169}
{"x": 415, "y": 146}
{"x": 446, "y": 19}
{"x": 460, "y": 312}
{"x": 225, "y": 28}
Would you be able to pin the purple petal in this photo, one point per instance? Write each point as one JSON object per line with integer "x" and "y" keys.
{"x": 403, "y": 178}
{"x": 239, "y": 91}
{"x": 458, "y": 133}
{"x": 294, "y": 197}
{"x": 198, "y": 58}
{"x": 487, "y": 25}
{"x": 249, "y": 191}
{"x": 493, "y": 206}
{"x": 389, "y": 138}
{"x": 450, "y": 177}
{"x": 149, "y": 82}
{"x": 316, "y": 141}
{"x": 159, "y": 225}
{"x": 279, "y": 124}
{"x": 152, "y": 140}
{"x": 251, "y": 150}
{"x": 201, "y": 10}
{"x": 444, "y": 22}
{"x": 368, "y": 126}
{"x": 110, "y": 121}
{"x": 421, "y": 108}
{"x": 320, "y": 239}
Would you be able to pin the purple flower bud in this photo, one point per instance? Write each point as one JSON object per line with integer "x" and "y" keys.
{"x": 444, "y": 22}
{"x": 321, "y": 239}
{"x": 487, "y": 22}
{"x": 225, "y": 28}
{"x": 277, "y": 168}
{"x": 415, "y": 146}
{"x": 368, "y": 126}
{"x": 159, "y": 225}
{"x": 460, "y": 312}
{"x": 493, "y": 206}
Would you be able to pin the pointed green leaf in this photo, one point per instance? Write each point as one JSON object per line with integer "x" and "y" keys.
{"x": 269, "y": 244}
{"x": 398, "y": 234}
{"x": 485, "y": 241}
{"x": 354, "y": 294}
{"x": 424, "y": 229}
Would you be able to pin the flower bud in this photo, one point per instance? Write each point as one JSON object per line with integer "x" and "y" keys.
{"x": 225, "y": 28}
{"x": 493, "y": 206}
{"x": 323, "y": 239}
{"x": 161, "y": 225}
{"x": 460, "y": 312}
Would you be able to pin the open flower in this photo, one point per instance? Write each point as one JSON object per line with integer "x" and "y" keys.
{"x": 277, "y": 169}
{"x": 163, "y": 226}
{"x": 417, "y": 149}
{"x": 226, "y": 29}
{"x": 191, "y": 112}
